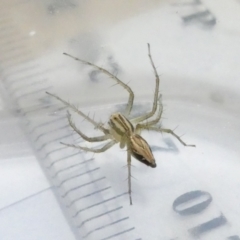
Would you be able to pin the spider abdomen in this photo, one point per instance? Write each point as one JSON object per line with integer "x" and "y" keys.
{"x": 141, "y": 150}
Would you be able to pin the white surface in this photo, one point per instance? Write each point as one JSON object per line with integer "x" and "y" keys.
{"x": 199, "y": 68}
{"x": 37, "y": 217}
{"x": 28, "y": 208}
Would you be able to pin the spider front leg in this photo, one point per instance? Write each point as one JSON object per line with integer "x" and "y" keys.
{"x": 95, "y": 124}
{"x": 166, "y": 130}
{"x": 98, "y": 150}
{"x": 125, "y": 86}
{"x": 140, "y": 126}
{"x": 156, "y": 93}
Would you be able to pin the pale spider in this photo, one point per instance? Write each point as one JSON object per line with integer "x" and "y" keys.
{"x": 122, "y": 130}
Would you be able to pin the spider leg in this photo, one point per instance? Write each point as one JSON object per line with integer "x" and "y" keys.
{"x": 166, "y": 130}
{"x": 85, "y": 137}
{"x": 97, "y": 150}
{"x": 154, "y": 121}
{"x": 156, "y": 93}
{"x": 104, "y": 130}
{"x": 125, "y": 86}
{"x": 129, "y": 174}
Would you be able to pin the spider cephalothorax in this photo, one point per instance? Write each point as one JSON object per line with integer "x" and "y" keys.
{"x": 122, "y": 129}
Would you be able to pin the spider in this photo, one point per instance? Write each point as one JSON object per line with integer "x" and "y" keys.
{"x": 120, "y": 128}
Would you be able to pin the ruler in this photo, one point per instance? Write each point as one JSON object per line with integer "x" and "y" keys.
{"x": 83, "y": 192}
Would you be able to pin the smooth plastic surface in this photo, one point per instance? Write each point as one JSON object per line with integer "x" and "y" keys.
{"x": 195, "y": 46}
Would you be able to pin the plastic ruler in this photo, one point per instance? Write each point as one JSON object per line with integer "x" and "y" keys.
{"x": 82, "y": 191}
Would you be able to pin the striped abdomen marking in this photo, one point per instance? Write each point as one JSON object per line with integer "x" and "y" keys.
{"x": 141, "y": 150}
